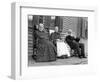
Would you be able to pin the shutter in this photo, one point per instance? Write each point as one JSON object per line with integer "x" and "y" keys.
{"x": 79, "y": 27}
{"x": 47, "y": 21}
{"x": 84, "y": 27}
{"x": 59, "y": 22}
{"x": 36, "y": 20}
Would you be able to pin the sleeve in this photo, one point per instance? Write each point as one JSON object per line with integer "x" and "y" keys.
{"x": 77, "y": 39}
{"x": 59, "y": 36}
{"x": 69, "y": 38}
{"x": 51, "y": 36}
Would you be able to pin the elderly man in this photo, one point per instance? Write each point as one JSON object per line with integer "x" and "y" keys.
{"x": 73, "y": 42}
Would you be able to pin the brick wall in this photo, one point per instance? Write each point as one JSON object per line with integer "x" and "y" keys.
{"x": 70, "y": 23}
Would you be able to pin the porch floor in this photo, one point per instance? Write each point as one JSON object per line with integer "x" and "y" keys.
{"x": 67, "y": 61}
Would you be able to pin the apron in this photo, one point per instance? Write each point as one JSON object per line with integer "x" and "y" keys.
{"x": 63, "y": 49}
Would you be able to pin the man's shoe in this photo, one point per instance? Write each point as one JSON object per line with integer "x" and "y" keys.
{"x": 84, "y": 57}
{"x": 80, "y": 57}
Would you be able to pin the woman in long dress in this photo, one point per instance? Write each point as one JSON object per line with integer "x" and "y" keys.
{"x": 63, "y": 48}
{"x": 46, "y": 51}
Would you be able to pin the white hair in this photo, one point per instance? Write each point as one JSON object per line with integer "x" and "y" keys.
{"x": 69, "y": 30}
{"x": 41, "y": 24}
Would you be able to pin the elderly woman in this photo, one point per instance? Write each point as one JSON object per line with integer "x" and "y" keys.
{"x": 63, "y": 49}
{"x": 46, "y": 51}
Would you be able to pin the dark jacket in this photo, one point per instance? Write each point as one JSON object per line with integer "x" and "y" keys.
{"x": 54, "y": 36}
{"x": 70, "y": 39}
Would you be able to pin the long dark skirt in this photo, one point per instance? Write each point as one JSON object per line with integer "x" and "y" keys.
{"x": 46, "y": 51}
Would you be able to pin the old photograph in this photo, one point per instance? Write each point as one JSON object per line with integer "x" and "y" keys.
{"x": 57, "y": 40}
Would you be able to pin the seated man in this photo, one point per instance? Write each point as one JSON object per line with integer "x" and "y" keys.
{"x": 74, "y": 44}
{"x": 63, "y": 49}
